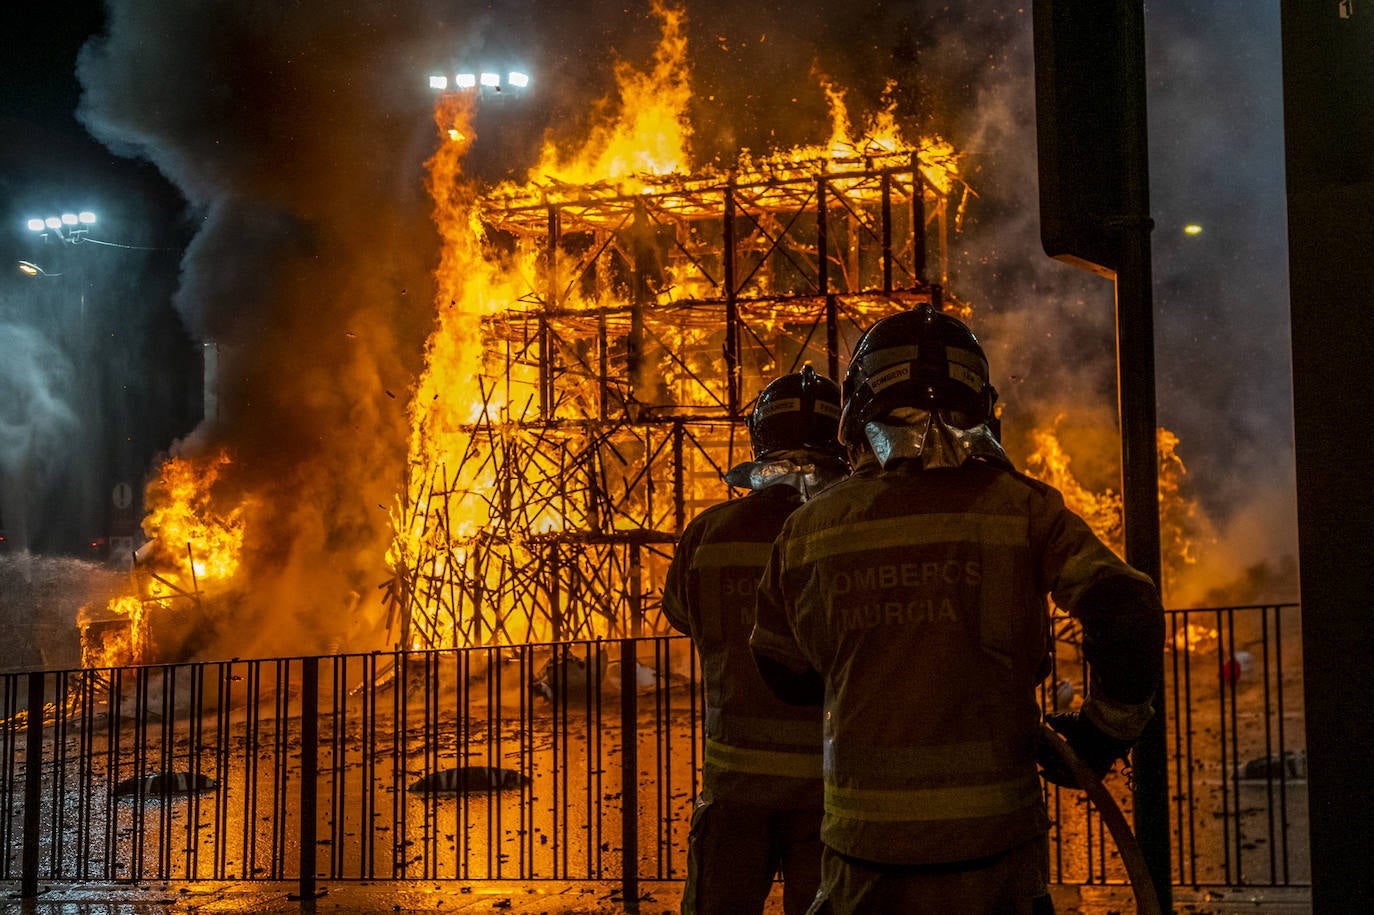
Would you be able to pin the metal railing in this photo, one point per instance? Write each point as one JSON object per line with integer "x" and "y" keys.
{"x": 1237, "y": 779}
{"x": 565, "y": 762}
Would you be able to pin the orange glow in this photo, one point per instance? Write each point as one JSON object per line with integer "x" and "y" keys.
{"x": 483, "y": 501}
{"x": 192, "y": 548}
{"x": 649, "y": 137}
{"x": 1183, "y": 528}
{"x": 192, "y": 537}
{"x": 1050, "y": 463}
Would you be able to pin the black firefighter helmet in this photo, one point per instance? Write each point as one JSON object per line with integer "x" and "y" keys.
{"x": 922, "y": 358}
{"x": 799, "y": 411}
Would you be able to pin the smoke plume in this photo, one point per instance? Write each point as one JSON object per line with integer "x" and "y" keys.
{"x": 296, "y": 134}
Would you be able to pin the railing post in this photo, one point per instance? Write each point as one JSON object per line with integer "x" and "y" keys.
{"x": 310, "y": 734}
{"x": 33, "y": 787}
{"x": 629, "y": 778}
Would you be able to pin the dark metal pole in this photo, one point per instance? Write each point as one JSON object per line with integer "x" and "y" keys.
{"x": 1135, "y": 343}
{"x": 629, "y": 779}
{"x": 546, "y": 401}
{"x": 918, "y": 219}
{"x": 886, "y": 230}
{"x": 1328, "y": 114}
{"x": 732, "y": 393}
{"x": 310, "y": 771}
{"x": 33, "y": 787}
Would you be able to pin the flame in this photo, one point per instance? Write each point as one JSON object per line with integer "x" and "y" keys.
{"x": 1050, "y": 463}
{"x": 117, "y": 639}
{"x": 650, "y": 135}
{"x": 1183, "y": 526}
{"x": 472, "y": 509}
{"x": 192, "y": 535}
{"x": 192, "y": 547}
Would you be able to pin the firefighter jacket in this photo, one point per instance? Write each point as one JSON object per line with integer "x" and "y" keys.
{"x": 759, "y": 750}
{"x": 919, "y": 597}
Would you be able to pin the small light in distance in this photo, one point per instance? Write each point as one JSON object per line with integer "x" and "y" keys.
{"x": 36, "y": 225}
{"x": 86, "y": 218}
{"x": 465, "y": 80}
{"x": 438, "y": 82}
{"x": 1192, "y": 228}
{"x": 518, "y": 80}
{"x": 491, "y": 80}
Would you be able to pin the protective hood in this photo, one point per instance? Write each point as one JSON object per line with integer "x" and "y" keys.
{"x": 805, "y": 471}
{"x": 922, "y": 434}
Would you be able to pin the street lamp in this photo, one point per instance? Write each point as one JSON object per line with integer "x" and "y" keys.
{"x": 29, "y": 268}
{"x": 67, "y": 227}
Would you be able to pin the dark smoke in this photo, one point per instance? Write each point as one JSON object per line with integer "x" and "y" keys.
{"x": 297, "y": 133}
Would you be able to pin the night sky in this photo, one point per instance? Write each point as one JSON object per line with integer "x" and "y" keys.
{"x": 97, "y": 371}
{"x": 262, "y": 163}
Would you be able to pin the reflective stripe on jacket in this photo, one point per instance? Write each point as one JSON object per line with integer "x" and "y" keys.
{"x": 920, "y": 597}
{"x": 758, "y": 749}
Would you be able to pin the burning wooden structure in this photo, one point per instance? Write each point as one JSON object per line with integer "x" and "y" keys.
{"x": 634, "y": 331}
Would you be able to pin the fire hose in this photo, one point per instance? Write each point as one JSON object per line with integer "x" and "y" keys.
{"x": 1146, "y": 901}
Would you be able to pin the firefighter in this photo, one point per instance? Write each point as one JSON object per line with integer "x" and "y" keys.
{"x": 759, "y": 810}
{"x": 912, "y": 598}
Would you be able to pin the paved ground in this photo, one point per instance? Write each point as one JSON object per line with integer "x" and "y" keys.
{"x": 532, "y": 899}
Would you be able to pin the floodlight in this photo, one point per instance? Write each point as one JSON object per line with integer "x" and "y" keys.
{"x": 52, "y": 222}
{"x": 36, "y": 225}
{"x": 69, "y": 219}
{"x": 465, "y": 80}
{"x": 86, "y": 217}
{"x": 438, "y": 82}
{"x": 491, "y": 80}
{"x": 518, "y": 80}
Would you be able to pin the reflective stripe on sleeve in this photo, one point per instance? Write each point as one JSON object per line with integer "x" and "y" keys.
{"x": 883, "y": 805}
{"x": 793, "y": 732}
{"x": 902, "y": 763}
{"x": 919, "y": 530}
{"x": 763, "y": 762}
{"x": 741, "y": 553}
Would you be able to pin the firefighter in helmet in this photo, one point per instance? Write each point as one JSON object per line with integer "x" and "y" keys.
{"x": 759, "y": 810}
{"x": 911, "y": 597}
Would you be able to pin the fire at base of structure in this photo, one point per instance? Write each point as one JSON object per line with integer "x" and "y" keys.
{"x": 614, "y": 389}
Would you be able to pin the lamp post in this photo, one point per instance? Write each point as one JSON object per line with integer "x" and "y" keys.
{"x": 79, "y": 515}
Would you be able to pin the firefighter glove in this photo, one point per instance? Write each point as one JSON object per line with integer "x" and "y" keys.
{"x": 1098, "y": 750}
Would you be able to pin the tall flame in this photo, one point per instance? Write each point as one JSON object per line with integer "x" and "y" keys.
{"x": 651, "y": 133}
{"x": 1183, "y": 526}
